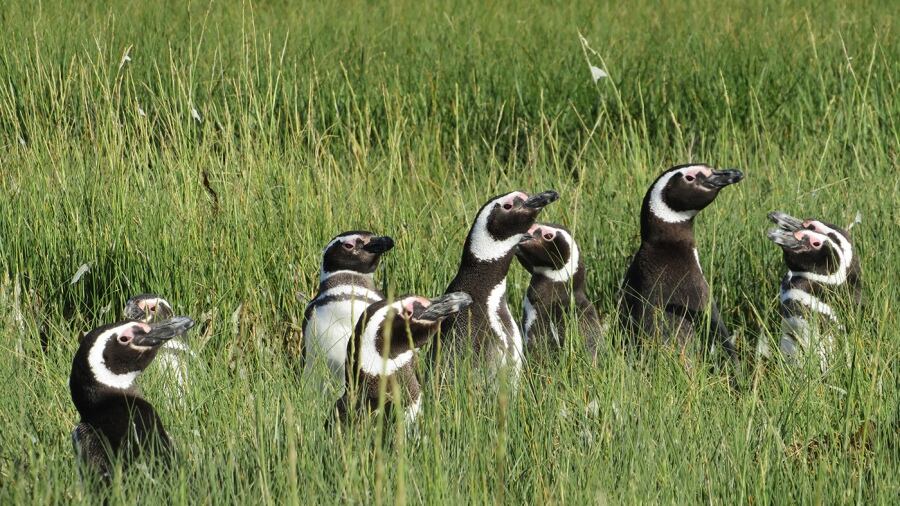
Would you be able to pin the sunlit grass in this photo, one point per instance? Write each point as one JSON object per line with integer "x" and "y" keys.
{"x": 403, "y": 119}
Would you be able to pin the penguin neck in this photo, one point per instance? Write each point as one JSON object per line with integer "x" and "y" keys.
{"x": 655, "y": 230}
{"x": 371, "y": 359}
{"x": 333, "y": 279}
{"x": 543, "y": 284}
{"x": 477, "y": 277}
{"x": 87, "y": 392}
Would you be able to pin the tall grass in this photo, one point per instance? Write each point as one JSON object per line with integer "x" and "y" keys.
{"x": 403, "y": 118}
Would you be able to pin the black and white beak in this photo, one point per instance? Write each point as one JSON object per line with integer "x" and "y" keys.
{"x": 785, "y": 221}
{"x": 722, "y": 178}
{"x": 443, "y": 306}
{"x": 541, "y": 200}
{"x": 163, "y": 331}
{"x": 379, "y": 244}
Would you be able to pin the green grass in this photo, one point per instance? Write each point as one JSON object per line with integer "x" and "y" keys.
{"x": 403, "y": 118}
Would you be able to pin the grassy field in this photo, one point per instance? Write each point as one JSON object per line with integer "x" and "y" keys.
{"x": 403, "y": 118}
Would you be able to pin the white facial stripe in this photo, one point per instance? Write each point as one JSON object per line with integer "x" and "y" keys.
{"x": 483, "y": 245}
{"x": 809, "y": 301}
{"x": 352, "y": 290}
{"x": 341, "y": 238}
{"x": 97, "y": 363}
{"x": 838, "y": 277}
{"x": 658, "y": 206}
{"x": 565, "y": 272}
{"x": 845, "y": 245}
{"x": 370, "y": 360}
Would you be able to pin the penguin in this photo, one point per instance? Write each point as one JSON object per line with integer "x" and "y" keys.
{"x": 385, "y": 341}
{"x": 822, "y": 271}
{"x": 117, "y": 423}
{"x": 175, "y": 353}
{"x": 346, "y": 289}
{"x": 487, "y": 326}
{"x": 557, "y": 290}
{"x": 664, "y": 293}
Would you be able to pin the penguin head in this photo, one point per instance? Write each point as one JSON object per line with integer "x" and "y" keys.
{"x": 421, "y": 317}
{"x": 548, "y": 250}
{"x": 833, "y": 258}
{"x": 681, "y": 192}
{"x": 148, "y": 308}
{"x": 356, "y": 251}
{"x": 503, "y": 220}
{"x": 117, "y": 353}
{"x": 808, "y": 251}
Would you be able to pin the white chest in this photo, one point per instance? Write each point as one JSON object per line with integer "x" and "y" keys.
{"x": 328, "y": 330}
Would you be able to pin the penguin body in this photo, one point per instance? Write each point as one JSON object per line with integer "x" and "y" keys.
{"x": 556, "y": 291}
{"x": 346, "y": 289}
{"x": 487, "y": 326}
{"x": 823, "y": 272}
{"x": 116, "y": 422}
{"x": 664, "y": 292}
{"x": 383, "y": 349}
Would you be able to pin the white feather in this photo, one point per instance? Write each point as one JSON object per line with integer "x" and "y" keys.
{"x": 97, "y": 362}
{"x": 565, "y": 272}
{"x": 483, "y": 245}
{"x": 658, "y": 206}
{"x": 370, "y": 360}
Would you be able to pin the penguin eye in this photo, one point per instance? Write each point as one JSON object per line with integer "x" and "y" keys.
{"x": 507, "y": 206}
{"x": 817, "y": 244}
{"x": 548, "y": 237}
{"x": 689, "y": 178}
{"x": 123, "y": 339}
{"x": 153, "y": 309}
{"x": 348, "y": 246}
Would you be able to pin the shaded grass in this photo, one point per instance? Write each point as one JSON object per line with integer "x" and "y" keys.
{"x": 403, "y": 119}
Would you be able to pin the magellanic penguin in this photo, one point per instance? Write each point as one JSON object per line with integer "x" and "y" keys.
{"x": 822, "y": 271}
{"x": 664, "y": 293}
{"x": 487, "y": 327}
{"x": 385, "y": 341}
{"x": 346, "y": 289}
{"x": 116, "y": 422}
{"x": 175, "y": 353}
{"x": 556, "y": 291}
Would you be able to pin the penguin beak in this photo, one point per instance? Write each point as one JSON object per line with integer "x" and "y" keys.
{"x": 722, "y": 178}
{"x": 444, "y": 306}
{"x": 785, "y": 239}
{"x": 541, "y": 200}
{"x": 785, "y": 221}
{"x": 163, "y": 331}
{"x": 379, "y": 245}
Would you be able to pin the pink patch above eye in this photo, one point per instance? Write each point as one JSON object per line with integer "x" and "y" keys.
{"x": 692, "y": 172}
{"x": 508, "y": 201}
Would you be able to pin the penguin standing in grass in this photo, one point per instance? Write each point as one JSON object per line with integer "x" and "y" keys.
{"x": 384, "y": 345}
{"x": 346, "y": 289}
{"x": 116, "y": 422}
{"x": 822, "y": 271}
{"x": 664, "y": 294}
{"x": 175, "y": 353}
{"x": 556, "y": 291}
{"x": 486, "y": 327}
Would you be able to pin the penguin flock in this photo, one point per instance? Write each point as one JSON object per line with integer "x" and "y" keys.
{"x": 360, "y": 347}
